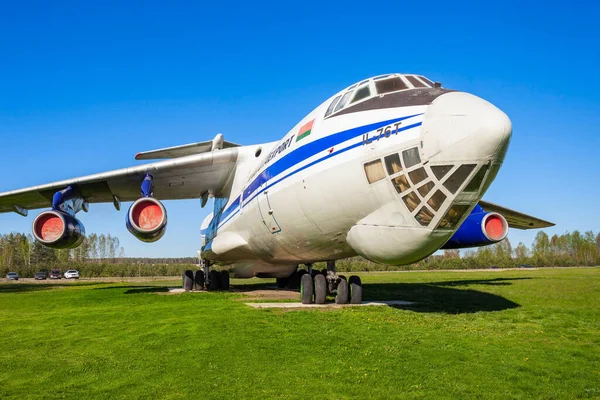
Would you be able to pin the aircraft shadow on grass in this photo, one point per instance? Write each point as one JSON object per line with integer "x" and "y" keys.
{"x": 434, "y": 297}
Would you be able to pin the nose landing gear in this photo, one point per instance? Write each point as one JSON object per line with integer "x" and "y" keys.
{"x": 316, "y": 287}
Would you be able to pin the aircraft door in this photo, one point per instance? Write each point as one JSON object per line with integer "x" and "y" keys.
{"x": 267, "y": 213}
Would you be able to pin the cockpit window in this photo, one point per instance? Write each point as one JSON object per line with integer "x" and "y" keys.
{"x": 415, "y": 82}
{"x": 411, "y": 157}
{"x": 473, "y": 186}
{"x": 344, "y": 100}
{"x": 427, "y": 81}
{"x": 361, "y": 93}
{"x": 388, "y": 85}
{"x": 458, "y": 177}
{"x": 374, "y": 171}
{"x": 332, "y": 105}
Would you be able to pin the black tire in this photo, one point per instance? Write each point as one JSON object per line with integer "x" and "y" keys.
{"x": 282, "y": 283}
{"x": 320, "y": 289}
{"x": 355, "y": 289}
{"x": 224, "y": 280}
{"x": 342, "y": 292}
{"x": 188, "y": 280}
{"x": 306, "y": 289}
{"x": 213, "y": 282}
{"x": 324, "y": 272}
{"x": 199, "y": 280}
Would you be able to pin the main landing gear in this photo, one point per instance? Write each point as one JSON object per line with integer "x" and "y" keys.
{"x": 205, "y": 278}
{"x": 316, "y": 285}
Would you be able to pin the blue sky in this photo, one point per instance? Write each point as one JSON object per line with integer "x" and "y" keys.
{"x": 84, "y": 86}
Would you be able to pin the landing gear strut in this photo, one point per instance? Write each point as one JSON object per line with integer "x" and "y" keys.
{"x": 316, "y": 285}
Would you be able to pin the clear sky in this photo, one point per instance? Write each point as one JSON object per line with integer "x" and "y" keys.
{"x": 86, "y": 85}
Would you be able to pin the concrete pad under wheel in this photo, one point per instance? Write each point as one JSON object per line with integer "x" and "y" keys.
{"x": 331, "y": 305}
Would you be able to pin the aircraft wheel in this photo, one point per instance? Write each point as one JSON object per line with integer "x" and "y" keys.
{"x": 355, "y": 289}
{"x": 213, "y": 283}
{"x": 306, "y": 289}
{"x": 224, "y": 280}
{"x": 199, "y": 280}
{"x": 342, "y": 292}
{"x": 188, "y": 280}
{"x": 320, "y": 289}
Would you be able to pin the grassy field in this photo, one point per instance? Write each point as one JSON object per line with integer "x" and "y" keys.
{"x": 487, "y": 335}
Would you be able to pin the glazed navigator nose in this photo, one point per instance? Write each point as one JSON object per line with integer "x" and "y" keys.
{"x": 461, "y": 126}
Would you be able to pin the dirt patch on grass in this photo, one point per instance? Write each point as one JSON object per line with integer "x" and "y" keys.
{"x": 266, "y": 294}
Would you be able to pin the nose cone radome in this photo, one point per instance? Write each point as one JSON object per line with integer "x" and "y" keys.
{"x": 461, "y": 126}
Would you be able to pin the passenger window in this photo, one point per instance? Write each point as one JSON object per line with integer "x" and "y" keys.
{"x": 332, "y": 105}
{"x": 361, "y": 93}
{"x": 453, "y": 216}
{"x": 417, "y": 175}
{"x": 390, "y": 85}
{"x": 343, "y": 101}
{"x": 427, "y": 81}
{"x": 392, "y": 163}
{"x": 415, "y": 82}
{"x": 400, "y": 183}
{"x": 374, "y": 171}
{"x": 440, "y": 170}
{"x": 437, "y": 200}
{"x": 424, "y": 216}
{"x": 473, "y": 186}
{"x": 411, "y": 157}
{"x": 411, "y": 200}
{"x": 426, "y": 188}
{"x": 458, "y": 177}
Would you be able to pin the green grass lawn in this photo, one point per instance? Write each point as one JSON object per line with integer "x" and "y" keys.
{"x": 486, "y": 335}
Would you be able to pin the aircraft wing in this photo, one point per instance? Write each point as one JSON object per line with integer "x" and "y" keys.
{"x": 516, "y": 219}
{"x": 184, "y": 150}
{"x": 180, "y": 178}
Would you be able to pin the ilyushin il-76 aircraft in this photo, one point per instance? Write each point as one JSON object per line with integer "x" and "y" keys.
{"x": 392, "y": 168}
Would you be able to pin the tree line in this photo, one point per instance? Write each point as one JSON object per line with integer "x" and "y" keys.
{"x": 102, "y": 256}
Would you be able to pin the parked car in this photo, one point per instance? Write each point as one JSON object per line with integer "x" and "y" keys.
{"x": 12, "y": 276}
{"x": 40, "y": 276}
{"x": 55, "y": 274}
{"x": 72, "y": 274}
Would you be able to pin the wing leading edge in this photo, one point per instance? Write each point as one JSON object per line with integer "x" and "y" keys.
{"x": 185, "y": 177}
{"x": 516, "y": 219}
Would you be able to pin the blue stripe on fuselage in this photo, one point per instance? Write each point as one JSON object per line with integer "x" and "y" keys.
{"x": 301, "y": 154}
{"x": 310, "y": 149}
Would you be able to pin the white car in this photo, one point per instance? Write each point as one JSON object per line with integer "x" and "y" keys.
{"x": 72, "y": 274}
{"x": 12, "y": 276}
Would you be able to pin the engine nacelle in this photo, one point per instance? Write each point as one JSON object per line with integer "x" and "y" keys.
{"x": 58, "y": 230}
{"x": 479, "y": 229}
{"x": 147, "y": 219}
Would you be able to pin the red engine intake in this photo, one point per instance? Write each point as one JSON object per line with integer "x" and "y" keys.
{"x": 58, "y": 230}
{"x": 147, "y": 219}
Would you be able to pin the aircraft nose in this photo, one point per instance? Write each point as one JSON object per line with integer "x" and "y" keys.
{"x": 461, "y": 126}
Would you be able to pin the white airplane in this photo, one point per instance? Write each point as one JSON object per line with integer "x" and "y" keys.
{"x": 391, "y": 168}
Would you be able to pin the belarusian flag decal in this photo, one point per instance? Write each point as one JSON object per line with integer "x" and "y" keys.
{"x": 305, "y": 130}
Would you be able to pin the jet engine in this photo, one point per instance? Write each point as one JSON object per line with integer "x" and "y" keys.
{"x": 481, "y": 228}
{"x": 58, "y": 230}
{"x": 147, "y": 219}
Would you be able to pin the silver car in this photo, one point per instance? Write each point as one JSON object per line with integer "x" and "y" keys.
{"x": 12, "y": 276}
